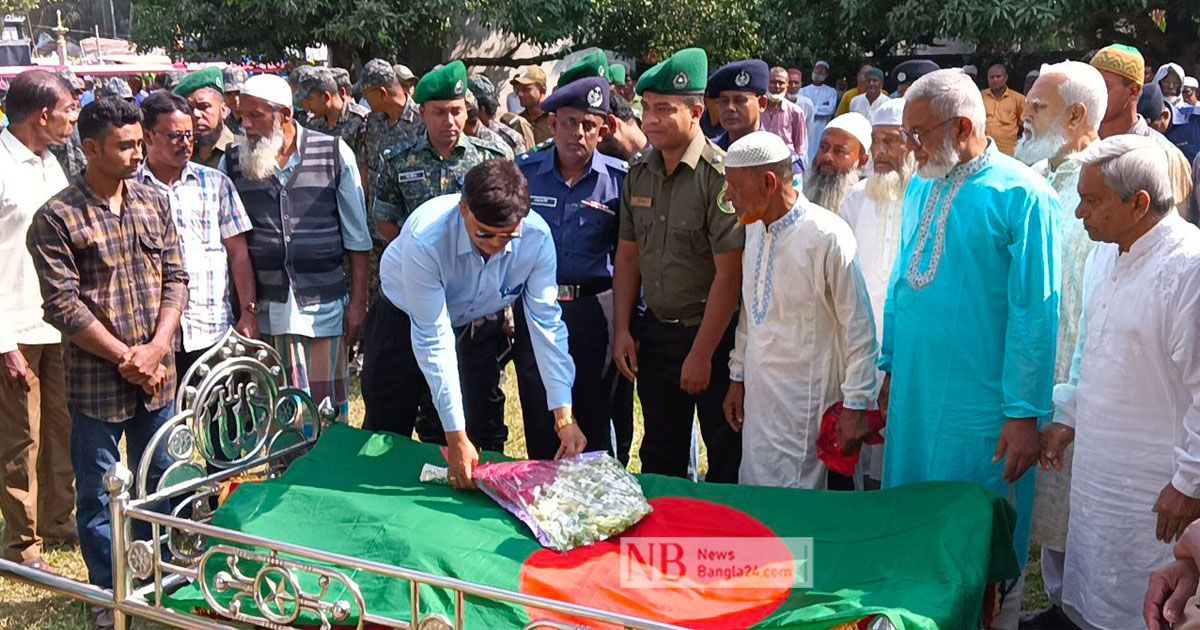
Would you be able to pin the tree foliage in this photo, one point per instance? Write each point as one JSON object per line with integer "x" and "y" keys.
{"x": 18, "y": 7}
{"x": 781, "y": 31}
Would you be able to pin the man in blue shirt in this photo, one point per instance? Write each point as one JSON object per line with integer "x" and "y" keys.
{"x": 577, "y": 191}
{"x": 458, "y": 262}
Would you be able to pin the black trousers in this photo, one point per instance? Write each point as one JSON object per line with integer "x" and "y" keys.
{"x": 601, "y": 398}
{"x": 397, "y": 396}
{"x": 667, "y": 410}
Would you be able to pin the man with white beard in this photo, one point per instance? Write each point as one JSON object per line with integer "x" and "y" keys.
{"x": 972, "y": 312}
{"x": 843, "y": 151}
{"x": 1063, "y": 110}
{"x": 1132, "y": 405}
{"x": 302, "y": 191}
{"x": 874, "y": 209}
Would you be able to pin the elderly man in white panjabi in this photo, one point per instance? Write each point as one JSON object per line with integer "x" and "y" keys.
{"x": 1132, "y": 404}
{"x": 806, "y": 336}
{"x": 874, "y": 209}
{"x": 1062, "y": 116}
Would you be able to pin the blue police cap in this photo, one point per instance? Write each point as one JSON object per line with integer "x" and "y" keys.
{"x": 589, "y": 94}
{"x": 750, "y": 75}
{"x": 913, "y": 69}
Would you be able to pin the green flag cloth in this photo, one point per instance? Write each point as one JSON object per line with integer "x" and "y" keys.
{"x": 921, "y": 555}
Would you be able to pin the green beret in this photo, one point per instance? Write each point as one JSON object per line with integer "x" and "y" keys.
{"x": 593, "y": 65}
{"x": 443, "y": 84}
{"x": 208, "y": 78}
{"x": 616, "y": 74}
{"x": 685, "y": 72}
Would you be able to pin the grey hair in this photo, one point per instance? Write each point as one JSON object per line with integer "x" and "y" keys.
{"x": 779, "y": 69}
{"x": 951, "y": 94}
{"x": 1083, "y": 84}
{"x": 1130, "y": 163}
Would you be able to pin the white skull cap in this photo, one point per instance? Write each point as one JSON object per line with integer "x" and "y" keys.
{"x": 854, "y": 124}
{"x": 757, "y": 149}
{"x": 890, "y": 113}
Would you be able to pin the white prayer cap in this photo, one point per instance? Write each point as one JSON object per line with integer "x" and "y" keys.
{"x": 1191, "y": 82}
{"x": 271, "y": 88}
{"x": 970, "y": 69}
{"x": 757, "y": 149}
{"x": 890, "y": 113}
{"x": 822, "y": 63}
{"x": 854, "y": 124}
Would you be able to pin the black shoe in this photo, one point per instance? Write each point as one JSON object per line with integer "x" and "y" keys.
{"x": 1052, "y": 618}
{"x": 102, "y": 618}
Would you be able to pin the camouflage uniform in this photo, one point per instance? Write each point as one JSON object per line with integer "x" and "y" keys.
{"x": 352, "y": 123}
{"x": 514, "y": 140}
{"x": 234, "y": 78}
{"x": 70, "y": 155}
{"x": 382, "y": 134}
{"x": 412, "y": 173}
{"x": 483, "y": 132}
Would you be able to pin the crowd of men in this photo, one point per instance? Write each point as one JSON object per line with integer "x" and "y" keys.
{"x": 842, "y": 291}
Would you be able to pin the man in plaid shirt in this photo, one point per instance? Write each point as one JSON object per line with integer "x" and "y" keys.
{"x": 211, "y": 223}
{"x": 113, "y": 283}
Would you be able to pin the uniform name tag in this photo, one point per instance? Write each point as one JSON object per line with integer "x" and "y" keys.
{"x": 641, "y": 202}
{"x": 549, "y": 202}
{"x": 410, "y": 176}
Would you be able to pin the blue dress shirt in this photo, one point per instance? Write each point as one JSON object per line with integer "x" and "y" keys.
{"x": 434, "y": 273}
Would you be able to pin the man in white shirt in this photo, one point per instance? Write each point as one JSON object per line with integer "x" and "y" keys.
{"x": 212, "y": 226}
{"x": 825, "y": 102}
{"x": 805, "y": 337}
{"x": 36, "y": 480}
{"x": 870, "y": 101}
{"x": 874, "y": 209}
{"x": 1132, "y": 405}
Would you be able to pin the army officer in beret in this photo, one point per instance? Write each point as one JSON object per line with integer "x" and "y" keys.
{"x": 681, "y": 246}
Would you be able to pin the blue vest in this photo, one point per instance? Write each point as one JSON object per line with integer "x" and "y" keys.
{"x": 297, "y": 235}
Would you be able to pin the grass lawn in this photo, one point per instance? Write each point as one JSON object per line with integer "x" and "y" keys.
{"x": 26, "y": 608}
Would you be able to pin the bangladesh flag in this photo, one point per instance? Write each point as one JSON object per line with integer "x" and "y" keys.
{"x": 922, "y": 555}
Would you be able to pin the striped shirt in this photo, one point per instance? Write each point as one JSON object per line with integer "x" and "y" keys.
{"x": 207, "y": 211}
{"x": 118, "y": 268}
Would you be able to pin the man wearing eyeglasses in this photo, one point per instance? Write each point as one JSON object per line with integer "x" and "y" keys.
{"x": 211, "y": 223}
{"x": 971, "y": 316}
{"x": 459, "y": 261}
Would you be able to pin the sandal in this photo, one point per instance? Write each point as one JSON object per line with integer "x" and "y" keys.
{"x": 38, "y": 564}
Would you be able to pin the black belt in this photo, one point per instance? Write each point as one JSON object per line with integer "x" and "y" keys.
{"x": 571, "y": 292}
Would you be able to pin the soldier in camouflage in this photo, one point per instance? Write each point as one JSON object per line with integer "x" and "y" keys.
{"x": 477, "y": 129}
{"x": 70, "y": 154}
{"x": 331, "y": 113}
{"x": 394, "y": 116}
{"x": 233, "y": 78}
{"x": 489, "y": 105}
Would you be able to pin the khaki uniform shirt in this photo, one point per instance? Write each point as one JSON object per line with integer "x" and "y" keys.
{"x": 541, "y": 126}
{"x": 679, "y": 221}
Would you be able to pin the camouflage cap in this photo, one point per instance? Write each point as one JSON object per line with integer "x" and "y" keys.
{"x": 482, "y": 86}
{"x": 442, "y": 84}
{"x": 175, "y": 77}
{"x": 73, "y": 79}
{"x": 115, "y": 86}
{"x": 342, "y": 77}
{"x": 234, "y": 78}
{"x": 316, "y": 80}
{"x": 376, "y": 72}
{"x": 403, "y": 73}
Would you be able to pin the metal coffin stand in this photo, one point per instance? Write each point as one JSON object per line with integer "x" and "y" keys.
{"x": 237, "y": 415}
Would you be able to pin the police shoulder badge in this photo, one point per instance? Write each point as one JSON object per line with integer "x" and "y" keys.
{"x": 742, "y": 79}
{"x": 595, "y": 98}
{"x": 680, "y": 81}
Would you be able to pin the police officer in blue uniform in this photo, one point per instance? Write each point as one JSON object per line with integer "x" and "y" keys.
{"x": 577, "y": 191}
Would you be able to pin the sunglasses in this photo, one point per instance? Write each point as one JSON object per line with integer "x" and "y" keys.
{"x": 177, "y": 137}
{"x": 491, "y": 236}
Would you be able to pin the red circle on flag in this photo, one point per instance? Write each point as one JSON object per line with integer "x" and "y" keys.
{"x": 592, "y": 576}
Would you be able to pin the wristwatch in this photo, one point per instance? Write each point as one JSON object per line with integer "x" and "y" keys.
{"x": 252, "y": 307}
{"x": 564, "y": 422}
